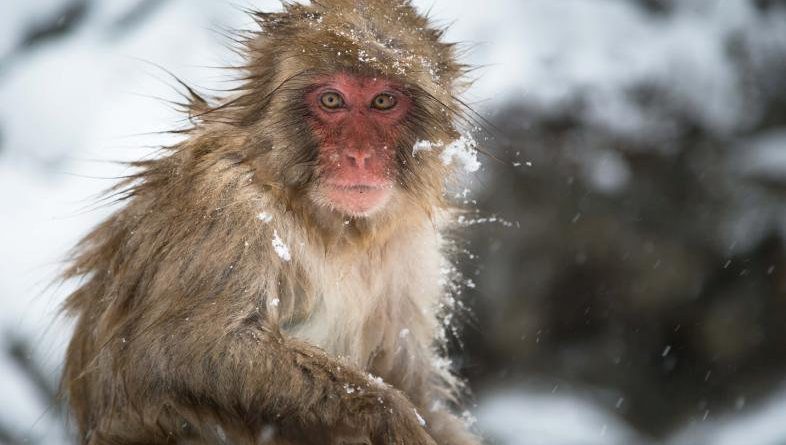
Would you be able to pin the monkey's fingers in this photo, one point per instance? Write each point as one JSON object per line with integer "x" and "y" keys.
{"x": 402, "y": 425}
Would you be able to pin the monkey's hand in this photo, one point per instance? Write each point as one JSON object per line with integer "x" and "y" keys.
{"x": 398, "y": 422}
{"x": 367, "y": 411}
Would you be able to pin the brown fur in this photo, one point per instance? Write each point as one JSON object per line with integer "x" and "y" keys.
{"x": 192, "y": 329}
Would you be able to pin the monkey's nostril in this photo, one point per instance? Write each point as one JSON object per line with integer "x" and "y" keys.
{"x": 358, "y": 158}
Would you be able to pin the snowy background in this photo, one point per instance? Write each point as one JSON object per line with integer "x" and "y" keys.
{"x": 637, "y": 294}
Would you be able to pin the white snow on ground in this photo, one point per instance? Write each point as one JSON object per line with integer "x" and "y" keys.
{"x": 72, "y": 105}
{"x": 529, "y": 417}
{"x": 522, "y": 417}
{"x": 762, "y": 426}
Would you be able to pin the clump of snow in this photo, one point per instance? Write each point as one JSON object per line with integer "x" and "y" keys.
{"x": 364, "y": 57}
{"x": 464, "y": 150}
{"x": 374, "y": 380}
{"x": 425, "y": 146}
{"x": 265, "y": 217}
{"x": 222, "y": 435}
{"x": 420, "y": 418}
{"x": 468, "y": 418}
{"x": 281, "y": 249}
{"x": 275, "y": 302}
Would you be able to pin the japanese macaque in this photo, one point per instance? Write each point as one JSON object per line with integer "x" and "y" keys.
{"x": 277, "y": 276}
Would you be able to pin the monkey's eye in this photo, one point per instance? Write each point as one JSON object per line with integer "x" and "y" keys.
{"x": 384, "y": 102}
{"x": 331, "y": 100}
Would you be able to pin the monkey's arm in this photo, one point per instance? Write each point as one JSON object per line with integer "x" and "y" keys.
{"x": 263, "y": 378}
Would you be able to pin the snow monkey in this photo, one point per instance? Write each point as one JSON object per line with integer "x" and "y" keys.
{"x": 277, "y": 275}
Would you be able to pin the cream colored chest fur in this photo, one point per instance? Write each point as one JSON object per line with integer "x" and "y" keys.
{"x": 379, "y": 300}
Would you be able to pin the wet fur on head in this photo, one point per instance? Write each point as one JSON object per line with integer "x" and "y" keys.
{"x": 372, "y": 38}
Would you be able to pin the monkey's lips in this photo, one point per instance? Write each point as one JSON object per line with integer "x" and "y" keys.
{"x": 358, "y": 199}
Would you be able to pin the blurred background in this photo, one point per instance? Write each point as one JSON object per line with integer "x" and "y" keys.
{"x": 627, "y": 274}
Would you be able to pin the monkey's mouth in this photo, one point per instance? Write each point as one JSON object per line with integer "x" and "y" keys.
{"x": 359, "y": 188}
{"x": 357, "y": 199}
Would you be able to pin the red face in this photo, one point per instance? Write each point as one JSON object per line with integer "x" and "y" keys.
{"x": 357, "y": 123}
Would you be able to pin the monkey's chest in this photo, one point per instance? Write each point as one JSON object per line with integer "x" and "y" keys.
{"x": 365, "y": 308}
{"x": 364, "y": 305}
{"x": 353, "y": 313}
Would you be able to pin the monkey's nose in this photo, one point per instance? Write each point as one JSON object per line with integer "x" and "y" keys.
{"x": 358, "y": 157}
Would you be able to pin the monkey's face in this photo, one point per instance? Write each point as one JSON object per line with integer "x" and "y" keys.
{"x": 357, "y": 123}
